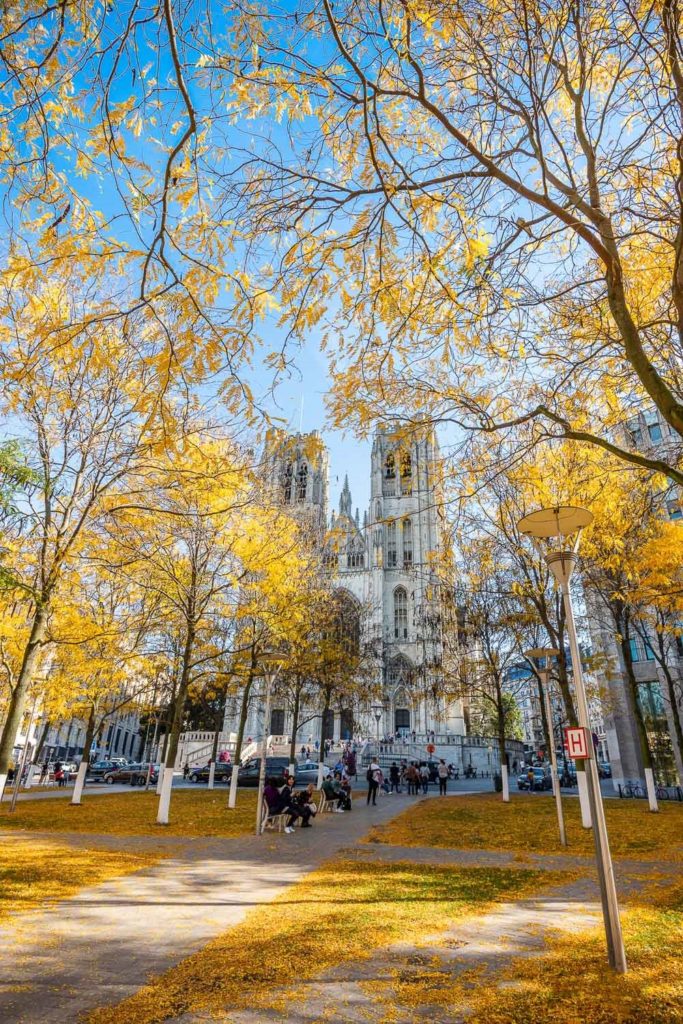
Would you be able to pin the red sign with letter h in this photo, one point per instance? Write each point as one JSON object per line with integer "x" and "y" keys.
{"x": 578, "y": 742}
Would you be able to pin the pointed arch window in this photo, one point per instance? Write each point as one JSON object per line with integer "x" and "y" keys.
{"x": 406, "y": 473}
{"x": 407, "y": 544}
{"x": 389, "y": 476}
{"x": 289, "y": 475}
{"x": 301, "y": 482}
{"x": 400, "y": 614}
{"x": 392, "y": 547}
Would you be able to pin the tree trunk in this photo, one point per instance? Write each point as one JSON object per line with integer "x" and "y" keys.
{"x": 502, "y": 752}
{"x": 295, "y": 725}
{"x": 246, "y": 693}
{"x": 321, "y": 755}
{"x": 176, "y": 723}
{"x": 214, "y": 755}
{"x": 41, "y": 742}
{"x": 83, "y": 766}
{"x": 19, "y": 693}
{"x": 544, "y": 719}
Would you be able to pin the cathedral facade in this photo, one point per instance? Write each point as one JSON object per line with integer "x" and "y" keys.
{"x": 386, "y": 563}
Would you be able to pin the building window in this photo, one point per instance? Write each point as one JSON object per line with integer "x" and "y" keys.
{"x": 636, "y": 437}
{"x": 407, "y": 543}
{"x": 289, "y": 473}
{"x": 301, "y": 482}
{"x": 356, "y": 560}
{"x": 406, "y": 473}
{"x": 389, "y": 482}
{"x": 392, "y": 552}
{"x": 654, "y": 427}
{"x": 641, "y": 650}
{"x": 400, "y": 614}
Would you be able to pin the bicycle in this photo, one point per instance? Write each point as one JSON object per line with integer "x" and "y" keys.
{"x": 633, "y": 789}
{"x": 662, "y": 793}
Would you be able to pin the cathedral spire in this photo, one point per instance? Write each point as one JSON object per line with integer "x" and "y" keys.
{"x": 345, "y": 508}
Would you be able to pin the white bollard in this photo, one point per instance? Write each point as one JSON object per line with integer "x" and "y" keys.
{"x": 165, "y": 797}
{"x": 584, "y": 800}
{"x": 651, "y": 790}
{"x": 80, "y": 783}
{"x": 29, "y": 776}
{"x": 321, "y": 770}
{"x": 506, "y": 783}
{"x": 3, "y": 782}
{"x": 212, "y": 773}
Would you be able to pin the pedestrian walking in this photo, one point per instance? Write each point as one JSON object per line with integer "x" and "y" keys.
{"x": 186, "y": 770}
{"x": 424, "y": 778}
{"x": 395, "y": 778}
{"x": 442, "y": 772}
{"x": 374, "y": 777}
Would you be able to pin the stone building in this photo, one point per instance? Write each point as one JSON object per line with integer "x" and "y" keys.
{"x": 646, "y": 431}
{"x": 383, "y": 565}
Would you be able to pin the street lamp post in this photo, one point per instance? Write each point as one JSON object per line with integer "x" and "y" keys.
{"x": 560, "y": 524}
{"x": 377, "y": 710}
{"x": 546, "y": 653}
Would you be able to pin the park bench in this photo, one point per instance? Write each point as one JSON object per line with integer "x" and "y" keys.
{"x": 324, "y": 804}
{"x": 272, "y": 821}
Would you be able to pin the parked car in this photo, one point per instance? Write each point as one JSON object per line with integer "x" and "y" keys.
{"x": 605, "y": 770}
{"x": 222, "y": 773}
{"x": 307, "y": 772}
{"x": 96, "y": 771}
{"x": 131, "y": 774}
{"x": 542, "y": 780}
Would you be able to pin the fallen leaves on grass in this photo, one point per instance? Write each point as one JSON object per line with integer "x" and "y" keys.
{"x": 528, "y": 824}
{"x": 193, "y": 813}
{"x": 342, "y": 912}
{"x": 572, "y": 981}
{"x": 40, "y": 871}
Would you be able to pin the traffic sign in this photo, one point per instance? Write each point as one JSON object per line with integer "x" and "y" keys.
{"x": 430, "y": 748}
{"x": 579, "y": 743}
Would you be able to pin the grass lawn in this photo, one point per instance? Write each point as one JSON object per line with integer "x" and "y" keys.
{"x": 39, "y": 871}
{"x": 339, "y": 913}
{"x": 571, "y": 982}
{"x": 193, "y": 813}
{"x": 529, "y": 824}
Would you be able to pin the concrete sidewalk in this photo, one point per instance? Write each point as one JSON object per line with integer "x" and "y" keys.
{"x": 101, "y": 945}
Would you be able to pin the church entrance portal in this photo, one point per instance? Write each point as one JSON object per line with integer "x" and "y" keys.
{"x": 402, "y": 720}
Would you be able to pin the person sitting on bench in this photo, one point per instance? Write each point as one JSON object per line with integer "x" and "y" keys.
{"x": 306, "y": 805}
{"x": 334, "y": 794}
{"x": 287, "y": 805}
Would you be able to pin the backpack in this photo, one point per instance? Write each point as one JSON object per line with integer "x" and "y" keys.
{"x": 370, "y": 775}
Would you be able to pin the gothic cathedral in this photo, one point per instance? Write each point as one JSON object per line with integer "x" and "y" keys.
{"x": 387, "y": 565}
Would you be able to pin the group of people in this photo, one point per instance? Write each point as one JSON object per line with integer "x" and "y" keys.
{"x": 415, "y": 778}
{"x": 281, "y": 798}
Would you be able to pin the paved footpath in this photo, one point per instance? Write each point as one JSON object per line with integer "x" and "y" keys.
{"x": 101, "y": 945}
